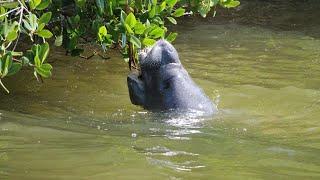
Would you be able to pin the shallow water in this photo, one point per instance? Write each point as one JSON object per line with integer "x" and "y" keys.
{"x": 81, "y": 125}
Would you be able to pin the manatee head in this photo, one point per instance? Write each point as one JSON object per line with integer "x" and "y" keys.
{"x": 161, "y": 53}
{"x": 151, "y": 60}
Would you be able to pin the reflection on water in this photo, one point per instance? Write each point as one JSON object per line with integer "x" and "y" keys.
{"x": 81, "y": 125}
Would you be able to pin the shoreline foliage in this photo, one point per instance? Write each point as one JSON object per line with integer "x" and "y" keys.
{"x": 128, "y": 25}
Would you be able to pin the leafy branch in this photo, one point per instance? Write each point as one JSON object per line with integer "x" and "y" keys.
{"x": 126, "y": 25}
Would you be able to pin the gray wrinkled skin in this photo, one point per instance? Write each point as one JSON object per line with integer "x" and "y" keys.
{"x": 164, "y": 84}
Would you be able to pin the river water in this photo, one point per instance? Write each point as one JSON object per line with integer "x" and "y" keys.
{"x": 264, "y": 77}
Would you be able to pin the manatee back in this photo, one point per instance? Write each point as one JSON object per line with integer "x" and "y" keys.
{"x": 179, "y": 91}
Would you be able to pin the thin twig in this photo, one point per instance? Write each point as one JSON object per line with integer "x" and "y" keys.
{"x": 12, "y": 10}
{"x": 16, "y": 60}
{"x": 93, "y": 54}
{"x": 86, "y": 57}
{"x": 103, "y": 56}
{"x": 22, "y": 5}
{"x": 20, "y": 20}
{"x": 4, "y": 87}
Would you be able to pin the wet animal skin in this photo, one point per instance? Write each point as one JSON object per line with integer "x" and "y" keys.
{"x": 164, "y": 84}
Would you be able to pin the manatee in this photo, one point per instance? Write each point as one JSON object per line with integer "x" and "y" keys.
{"x": 164, "y": 84}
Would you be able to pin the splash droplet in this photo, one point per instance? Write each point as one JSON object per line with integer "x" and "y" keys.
{"x": 134, "y": 135}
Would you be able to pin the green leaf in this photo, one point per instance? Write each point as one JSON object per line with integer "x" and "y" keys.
{"x": 2, "y": 11}
{"x": 158, "y": 20}
{"x": 25, "y": 60}
{"x": 71, "y": 43}
{"x": 148, "y": 29}
{"x": 171, "y": 3}
{"x": 171, "y": 37}
{"x": 172, "y": 20}
{"x": 45, "y": 18}
{"x": 37, "y": 61}
{"x": 46, "y": 67}
{"x": 135, "y": 41}
{"x": 34, "y": 3}
{"x": 139, "y": 28}
{"x": 131, "y": 20}
{"x": 162, "y": 6}
{"x": 8, "y": 29}
{"x": 45, "y": 33}
{"x": 152, "y": 12}
{"x": 74, "y": 20}
{"x": 123, "y": 40}
{"x": 128, "y": 28}
{"x": 154, "y": 2}
{"x": 7, "y": 58}
{"x": 27, "y": 25}
{"x": 1, "y": 67}
{"x": 43, "y": 72}
{"x": 4, "y": 28}
{"x": 232, "y": 4}
{"x": 58, "y": 40}
{"x": 40, "y": 27}
{"x": 110, "y": 7}
{"x": 10, "y": 5}
{"x": 148, "y": 42}
{"x": 43, "y": 52}
{"x": 205, "y": 6}
{"x": 179, "y": 12}
{"x": 15, "y": 67}
{"x": 80, "y": 3}
{"x": 103, "y": 32}
{"x": 123, "y": 16}
{"x": 29, "y": 56}
{"x": 12, "y": 36}
{"x": 147, "y": 23}
{"x": 35, "y": 49}
{"x": 43, "y": 5}
{"x": 101, "y": 6}
{"x": 33, "y": 21}
{"x": 157, "y": 32}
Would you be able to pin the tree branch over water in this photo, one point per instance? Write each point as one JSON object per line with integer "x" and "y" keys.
{"x": 127, "y": 25}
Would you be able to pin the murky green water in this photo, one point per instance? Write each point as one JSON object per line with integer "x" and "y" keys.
{"x": 81, "y": 124}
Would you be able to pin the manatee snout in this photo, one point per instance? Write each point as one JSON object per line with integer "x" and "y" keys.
{"x": 136, "y": 89}
{"x": 160, "y": 54}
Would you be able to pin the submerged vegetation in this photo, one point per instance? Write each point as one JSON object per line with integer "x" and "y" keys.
{"x": 127, "y": 25}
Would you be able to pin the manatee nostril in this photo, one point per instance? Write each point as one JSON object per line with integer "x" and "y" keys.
{"x": 166, "y": 85}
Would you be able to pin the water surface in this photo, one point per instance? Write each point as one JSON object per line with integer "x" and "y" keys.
{"x": 81, "y": 125}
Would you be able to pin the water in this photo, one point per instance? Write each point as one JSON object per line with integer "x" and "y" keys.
{"x": 81, "y": 125}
